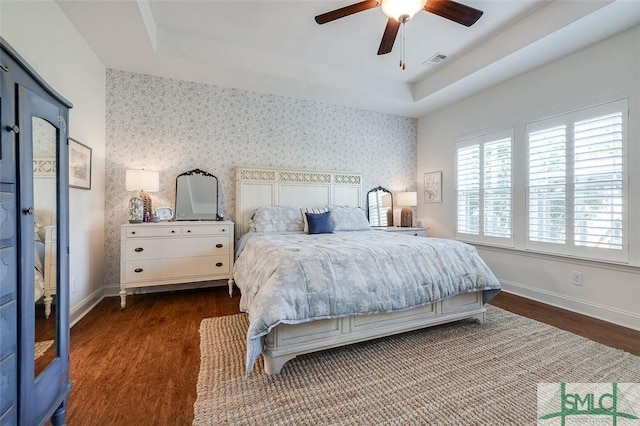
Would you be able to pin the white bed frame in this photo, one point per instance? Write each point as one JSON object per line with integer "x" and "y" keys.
{"x": 257, "y": 187}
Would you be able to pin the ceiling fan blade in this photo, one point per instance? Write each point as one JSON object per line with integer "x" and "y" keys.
{"x": 346, "y": 11}
{"x": 456, "y": 12}
{"x": 389, "y": 36}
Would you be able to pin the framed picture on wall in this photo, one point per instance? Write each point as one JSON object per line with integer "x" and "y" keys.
{"x": 79, "y": 165}
{"x": 433, "y": 187}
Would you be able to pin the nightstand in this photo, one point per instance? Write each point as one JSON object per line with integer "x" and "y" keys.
{"x": 416, "y": 232}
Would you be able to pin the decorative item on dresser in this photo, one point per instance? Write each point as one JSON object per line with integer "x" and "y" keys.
{"x": 156, "y": 254}
{"x": 380, "y": 207}
{"x": 408, "y": 200}
{"x": 415, "y": 231}
{"x": 34, "y": 376}
{"x": 141, "y": 180}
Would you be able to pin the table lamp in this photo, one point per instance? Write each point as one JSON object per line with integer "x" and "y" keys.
{"x": 141, "y": 180}
{"x": 408, "y": 200}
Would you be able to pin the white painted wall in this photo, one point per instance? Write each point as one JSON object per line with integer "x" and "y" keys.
{"x": 605, "y": 71}
{"x": 46, "y": 39}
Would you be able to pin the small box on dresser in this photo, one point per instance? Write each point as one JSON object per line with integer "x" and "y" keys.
{"x": 156, "y": 254}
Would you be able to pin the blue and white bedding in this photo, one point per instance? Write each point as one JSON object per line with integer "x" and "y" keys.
{"x": 295, "y": 277}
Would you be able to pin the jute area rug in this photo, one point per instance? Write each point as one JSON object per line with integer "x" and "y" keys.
{"x": 41, "y": 348}
{"x": 456, "y": 374}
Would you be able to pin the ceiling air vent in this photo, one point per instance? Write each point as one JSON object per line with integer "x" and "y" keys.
{"x": 435, "y": 59}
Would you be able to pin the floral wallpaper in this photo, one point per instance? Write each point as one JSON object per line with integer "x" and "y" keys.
{"x": 173, "y": 126}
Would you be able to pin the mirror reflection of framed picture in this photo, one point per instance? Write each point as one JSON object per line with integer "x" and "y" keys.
{"x": 79, "y": 165}
{"x": 433, "y": 187}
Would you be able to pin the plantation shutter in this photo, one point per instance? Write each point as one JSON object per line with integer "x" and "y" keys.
{"x": 598, "y": 191}
{"x": 547, "y": 184}
{"x": 497, "y": 188}
{"x": 468, "y": 188}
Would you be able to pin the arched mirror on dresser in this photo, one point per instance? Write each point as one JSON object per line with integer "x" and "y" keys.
{"x": 197, "y": 196}
{"x": 380, "y": 207}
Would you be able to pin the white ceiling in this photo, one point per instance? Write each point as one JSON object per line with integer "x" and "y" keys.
{"x": 276, "y": 47}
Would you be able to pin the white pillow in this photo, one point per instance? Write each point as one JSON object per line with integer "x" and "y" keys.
{"x": 276, "y": 219}
{"x": 344, "y": 218}
{"x": 304, "y": 210}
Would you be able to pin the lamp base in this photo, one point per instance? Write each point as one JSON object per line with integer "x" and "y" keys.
{"x": 136, "y": 210}
{"x": 406, "y": 217}
{"x": 146, "y": 202}
{"x": 389, "y": 217}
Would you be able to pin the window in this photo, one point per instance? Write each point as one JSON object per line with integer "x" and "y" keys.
{"x": 576, "y": 183}
{"x": 484, "y": 189}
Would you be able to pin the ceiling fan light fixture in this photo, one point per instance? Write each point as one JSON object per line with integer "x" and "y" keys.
{"x": 402, "y": 10}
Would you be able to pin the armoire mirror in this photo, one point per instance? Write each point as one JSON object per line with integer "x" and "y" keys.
{"x": 45, "y": 241}
{"x": 197, "y": 196}
{"x": 380, "y": 207}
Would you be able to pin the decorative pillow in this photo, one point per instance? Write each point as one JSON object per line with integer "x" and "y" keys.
{"x": 345, "y": 218}
{"x": 305, "y": 210}
{"x": 276, "y": 219}
{"x": 319, "y": 223}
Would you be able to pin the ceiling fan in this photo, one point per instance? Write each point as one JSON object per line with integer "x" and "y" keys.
{"x": 401, "y": 11}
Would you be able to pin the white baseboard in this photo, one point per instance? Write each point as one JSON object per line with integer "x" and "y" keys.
{"x": 595, "y": 310}
{"x": 85, "y": 306}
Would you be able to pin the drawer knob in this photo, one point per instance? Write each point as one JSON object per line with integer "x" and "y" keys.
{"x": 138, "y": 249}
{"x": 223, "y": 230}
{"x": 188, "y": 230}
{"x": 133, "y": 232}
{"x": 219, "y": 245}
{"x": 173, "y": 231}
{"x": 219, "y": 264}
{"x": 138, "y": 270}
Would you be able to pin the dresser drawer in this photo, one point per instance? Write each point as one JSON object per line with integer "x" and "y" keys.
{"x": 206, "y": 230}
{"x": 176, "y": 268}
{"x": 150, "y": 230}
{"x": 168, "y": 248}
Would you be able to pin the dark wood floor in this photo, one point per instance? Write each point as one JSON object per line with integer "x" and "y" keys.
{"x": 140, "y": 366}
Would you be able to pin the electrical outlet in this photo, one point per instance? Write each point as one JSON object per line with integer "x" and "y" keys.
{"x": 576, "y": 278}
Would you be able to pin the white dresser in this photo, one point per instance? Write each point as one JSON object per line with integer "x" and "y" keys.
{"x": 417, "y": 232}
{"x": 154, "y": 254}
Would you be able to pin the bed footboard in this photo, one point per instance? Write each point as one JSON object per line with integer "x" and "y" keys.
{"x": 286, "y": 341}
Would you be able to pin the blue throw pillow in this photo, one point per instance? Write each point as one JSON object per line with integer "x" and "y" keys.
{"x": 319, "y": 223}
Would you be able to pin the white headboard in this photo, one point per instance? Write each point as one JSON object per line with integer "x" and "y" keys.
{"x": 259, "y": 186}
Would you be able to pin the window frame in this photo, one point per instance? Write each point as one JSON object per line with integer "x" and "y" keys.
{"x": 481, "y": 141}
{"x": 569, "y": 248}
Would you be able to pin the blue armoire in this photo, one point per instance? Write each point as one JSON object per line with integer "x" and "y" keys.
{"x": 34, "y": 245}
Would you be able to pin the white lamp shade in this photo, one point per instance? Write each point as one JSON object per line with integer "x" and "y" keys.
{"x": 142, "y": 180}
{"x": 397, "y": 8}
{"x": 407, "y": 198}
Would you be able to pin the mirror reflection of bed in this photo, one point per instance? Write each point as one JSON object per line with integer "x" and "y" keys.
{"x": 45, "y": 242}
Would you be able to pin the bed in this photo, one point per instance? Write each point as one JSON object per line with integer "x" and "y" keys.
{"x": 308, "y": 292}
